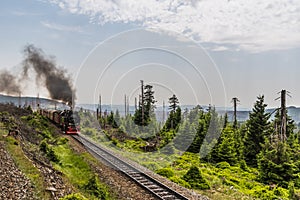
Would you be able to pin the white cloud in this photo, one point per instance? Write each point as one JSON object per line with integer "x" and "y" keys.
{"x": 250, "y": 25}
{"x": 22, "y": 13}
{"x": 220, "y": 48}
{"x": 60, "y": 27}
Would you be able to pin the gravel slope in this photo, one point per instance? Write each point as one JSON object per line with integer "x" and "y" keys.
{"x": 13, "y": 183}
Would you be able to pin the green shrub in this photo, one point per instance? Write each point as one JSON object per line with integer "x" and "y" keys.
{"x": 88, "y": 131}
{"x": 195, "y": 179}
{"x": 46, "y": 134}
{"x": 74, "y": 196}
{"x": 153, "y": 166}
{"x": 291, "y": 191}
{"x": 168, "y": 149}
{"x": 44, "y": 146}
{"x": 52, "y": 156}
{"x": 96, "y": 189}
{"x": 62, "y": 141}
{"x": 223, "y": 165}
{"x": 243, "y": 166}
{"x": 115, "y": 141}
{"x": 166, "y": 172}
{"x": 266, "y": 193}
{"x": 180, "y": 181}
{"x": 297, "y": 181}
{"x": 281, "y": 192}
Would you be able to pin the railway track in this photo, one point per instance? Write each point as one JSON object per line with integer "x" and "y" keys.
{"x": 152, "y": 185}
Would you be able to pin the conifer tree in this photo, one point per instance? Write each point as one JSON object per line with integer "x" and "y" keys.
{"x": 202, "y": 127}
{"x": 258, "y": 129}
{"x": 145, "y": 111}
{"x": 111, "y": 120}
{"x": 195, "y": 179}
{"x": 275, "y": 163}
{"x": 225, "y": 149}
{"x": 214, "y": 128}
{"x": 174, "y": 118}
{"x": 185, "y": 137}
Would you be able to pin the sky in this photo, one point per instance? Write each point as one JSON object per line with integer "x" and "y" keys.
{"x": 204, "y": 51}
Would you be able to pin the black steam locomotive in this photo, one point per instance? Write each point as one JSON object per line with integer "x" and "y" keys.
{"x": 67, "y": 120}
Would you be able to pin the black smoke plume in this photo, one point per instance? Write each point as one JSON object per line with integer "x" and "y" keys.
{"x": 9, "y": 83}
{"x": 58, "y": 84}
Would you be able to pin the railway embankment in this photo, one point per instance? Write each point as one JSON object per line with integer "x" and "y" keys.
{"x": 39, "y": 162}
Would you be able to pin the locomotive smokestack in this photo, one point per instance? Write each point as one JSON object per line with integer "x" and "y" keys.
{"x": 57, "y": 82}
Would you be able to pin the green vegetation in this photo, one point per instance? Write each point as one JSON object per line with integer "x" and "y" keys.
{"x": 166, "y": 172}
{"x": 75, "y": 196}
{"x": 258, "y": 130}
{"x": 25, "y": 165}
{"x": 56, "y": 148}
{"x": 195, "y": 179}
{"x": 145, "y": 111}
{"x": 79, "y": 173}
{"x": 201, "y": 150}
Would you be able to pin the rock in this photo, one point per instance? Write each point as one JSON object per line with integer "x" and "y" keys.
{"x": 52, "y": 189}
{"x": 13, "y": 183}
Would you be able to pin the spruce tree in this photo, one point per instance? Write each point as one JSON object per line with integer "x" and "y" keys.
{"x": 195, "y": 179}
{"x": 145, "y": 111}
{"x": 225, "y": 149}
{"x": 173, "y": 101}
{"x": 275, "y": 163}
{"x": 214, "y": 128}
{"x": 258, "y": 129}
{"x": 174, "y": 118}
{"x": 202, "y": 126}
{"x": 185, "y": 136}
{"x": 149, "y": 103}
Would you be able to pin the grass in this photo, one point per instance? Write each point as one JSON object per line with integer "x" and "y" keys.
{"x": 79, "y": 173}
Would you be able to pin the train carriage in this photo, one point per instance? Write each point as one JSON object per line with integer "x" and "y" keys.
{"x": 67, "y": 120}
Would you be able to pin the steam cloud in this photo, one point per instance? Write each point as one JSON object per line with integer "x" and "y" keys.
{"x": 9, "y": 83}
{"x": 58, "y": 84}
{"x": 55, "y": 79}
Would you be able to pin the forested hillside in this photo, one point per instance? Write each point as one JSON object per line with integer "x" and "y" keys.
{"x": 202, "y": 150}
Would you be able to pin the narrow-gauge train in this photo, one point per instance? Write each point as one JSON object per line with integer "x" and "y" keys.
{"x": 67, "y": 120}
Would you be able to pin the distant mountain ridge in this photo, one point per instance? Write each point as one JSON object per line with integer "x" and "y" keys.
{"x": 242, "y": 115}
{"x": 32, "y": 101}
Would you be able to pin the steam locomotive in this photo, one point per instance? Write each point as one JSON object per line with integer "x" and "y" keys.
{"x": 67, "y": 120}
